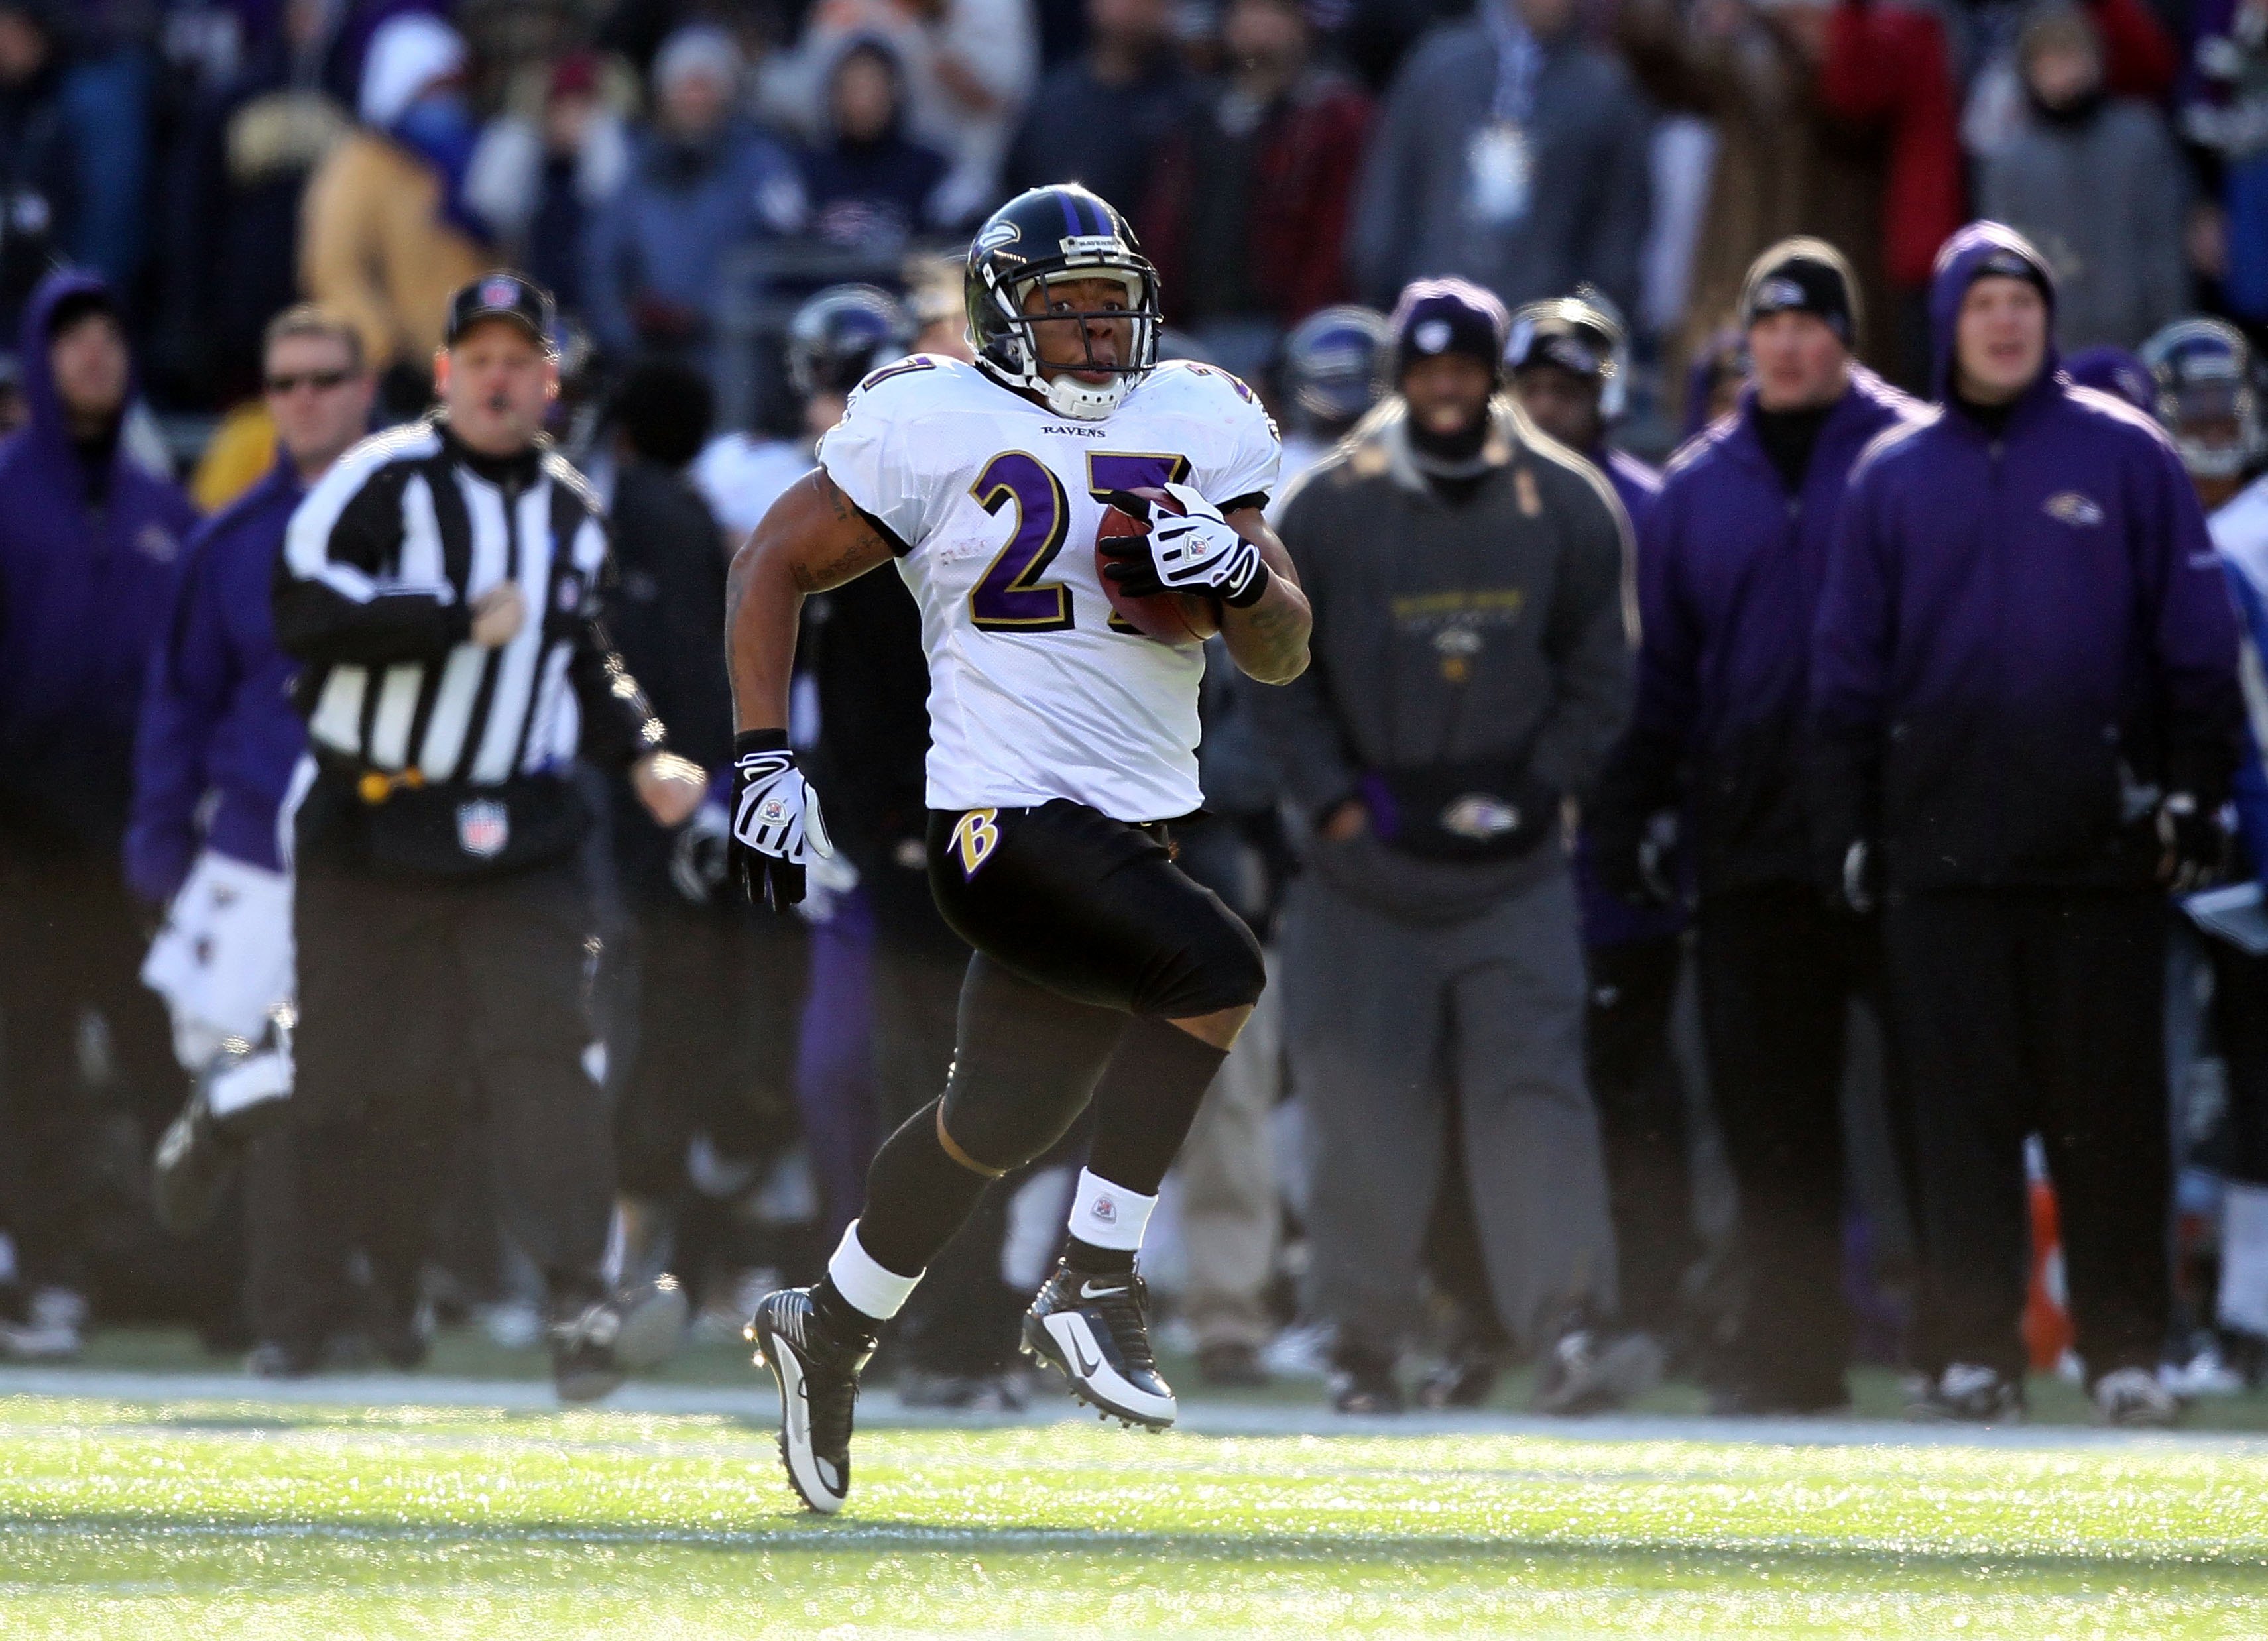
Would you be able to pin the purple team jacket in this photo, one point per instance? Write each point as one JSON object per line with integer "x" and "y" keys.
{"x": 2024, "y": 638}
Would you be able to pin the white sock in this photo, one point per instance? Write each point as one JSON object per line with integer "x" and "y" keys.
{"x": 1104, "y": 1215}
{"x": 2244, "y": 1258}
{"x": 871, "y": 1287}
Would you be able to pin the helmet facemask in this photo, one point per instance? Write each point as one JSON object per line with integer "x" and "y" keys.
{"x": 1008, "y": 346}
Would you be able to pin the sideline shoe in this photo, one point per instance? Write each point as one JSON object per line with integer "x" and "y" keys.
{"x": 2132, "y": 1397}
{"x": 1094, "y": 1328}
{"x": 817, "y": 1369}
{"x": 638, "y": 1327}
{"x": 1966, "y": 1394}
{"x": 1587, "y": 1371}
{"x": 1363, "y": 1382}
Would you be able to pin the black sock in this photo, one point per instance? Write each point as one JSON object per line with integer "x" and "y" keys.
{"x": 838, "y": 1315}
{"x": 1097, "y": 1262}
{"x": 917, "y": 1197}
{"x": 1148, "y": 1096}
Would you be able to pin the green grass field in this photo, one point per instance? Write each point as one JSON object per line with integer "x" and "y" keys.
{"x": 156, "y": 1521}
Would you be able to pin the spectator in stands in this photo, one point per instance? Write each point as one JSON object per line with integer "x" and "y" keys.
{"x": 2025, "y": 709}
{"x": 871, "y": 187}
{"x": 1102, "y": 118}
{"x": 1246, "y": 213}
{"x": 229, "y": 243}
{"x": 1885, "y": 80}
{"x": 387, "y": 233}
{"x": 702, "y": 183}
{"x": 39, "y": 157}
{"x": 1782, "y": 165}
{"x": 1730, "y": 559}
{"x": 2096, "y": 182}
{"x": 1471, "y": 669}
{"x": 89, "y": 541}
{"x": 2227, "y": 117}
{"x": 967, "y": 67}
{"x": 1510, "y": 151}
{"x": 538, "y": 182}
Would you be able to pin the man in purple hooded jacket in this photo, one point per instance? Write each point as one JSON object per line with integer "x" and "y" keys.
{"x": 1730, "y": 563}
{"x": 2026, "y": 708}
{"x": 88, "y": 542}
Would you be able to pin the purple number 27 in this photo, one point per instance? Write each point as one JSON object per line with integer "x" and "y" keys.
{"x": 1010, "y": 596}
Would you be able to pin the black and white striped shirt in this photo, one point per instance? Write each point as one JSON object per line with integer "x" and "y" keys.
{"x": 380, "y": 566}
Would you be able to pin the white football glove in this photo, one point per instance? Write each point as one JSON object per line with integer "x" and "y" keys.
{"x": 1192, "y": 551}
{"x": 776, "y": 827}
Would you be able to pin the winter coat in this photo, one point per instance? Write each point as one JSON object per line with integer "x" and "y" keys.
{"x": 375, "y": 246}
{"x": 1298, "y": 186}
{"x": 2105, "y": 200}
{"x": 1590, "y": 193}
{"x": 85, "y": 593}
{"x": 1483, "y": 644}
{"x": 2024, "y": 640}
{"x": 1886, "y": 77}
{"x": 1730, "y": 567}
{"x": 1608, "y": 919}
{"x": 1104, "y": 134}
{"x": 661, "y": 246}
{"x": 1784, "y": 165}
{"x": 218, "y": 724}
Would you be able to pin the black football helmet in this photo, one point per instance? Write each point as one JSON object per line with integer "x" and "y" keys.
{"x": 2208, "y": 397}
{"x": 838, "y": 337}
{"x": 1338, "y": 362}
{"x": 1060, "y": 232}
{"x": 1582, "y": 334}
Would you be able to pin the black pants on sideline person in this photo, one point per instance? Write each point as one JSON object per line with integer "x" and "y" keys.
{"x": 1642, "y": 1128}
{"x": 414, "y": 994}
{"x": 2037, "y": 1010}
{"x": 1779, "y": 969}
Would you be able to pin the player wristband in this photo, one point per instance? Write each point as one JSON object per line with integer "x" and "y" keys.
{"x": 1250, "y": 594}
{"x": 750, "y": 741}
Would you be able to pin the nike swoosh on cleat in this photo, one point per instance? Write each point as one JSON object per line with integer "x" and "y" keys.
{"x": 1088, "y": 1290}
{"x": 1078, "y": 1352}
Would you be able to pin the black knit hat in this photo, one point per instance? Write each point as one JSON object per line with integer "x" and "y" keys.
{"x": 1802, "y": 276}
{"x": 1438, "y": 316}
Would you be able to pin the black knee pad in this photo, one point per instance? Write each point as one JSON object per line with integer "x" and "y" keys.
{"x": 1025, "y": 1067}
{"x": 1217, "y": 967}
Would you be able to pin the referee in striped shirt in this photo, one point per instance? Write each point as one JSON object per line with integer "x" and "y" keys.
{"x": 440, "y": 587}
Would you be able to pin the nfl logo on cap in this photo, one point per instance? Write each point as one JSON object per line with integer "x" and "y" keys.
{"x": 498, "y": 292}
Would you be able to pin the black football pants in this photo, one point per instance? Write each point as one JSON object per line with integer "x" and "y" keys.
{"x": 1779, "y": 969}
{"x": 1642, "y": 1130}
{"x": 2037, "y": 1010}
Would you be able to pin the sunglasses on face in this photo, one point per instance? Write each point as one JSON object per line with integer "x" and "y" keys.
{"x": 321, "y": 381}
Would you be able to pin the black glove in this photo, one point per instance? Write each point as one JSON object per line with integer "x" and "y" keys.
{"x": 777, "y": 826}
{"x": 2193, "y": 850}
{"x": 1638, "y": 870}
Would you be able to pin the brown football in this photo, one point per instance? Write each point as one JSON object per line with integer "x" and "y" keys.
{"x": 1175, "y": 618}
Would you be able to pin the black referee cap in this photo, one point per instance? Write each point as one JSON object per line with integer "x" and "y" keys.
{"x": 502, "y": 295}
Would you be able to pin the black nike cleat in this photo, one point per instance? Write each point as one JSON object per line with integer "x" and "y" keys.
{"x": 1094, "y": 1330}
{"x": 818, "y": 1372}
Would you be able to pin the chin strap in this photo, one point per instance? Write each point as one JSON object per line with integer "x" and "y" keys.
{"x": 1069, "y": 396}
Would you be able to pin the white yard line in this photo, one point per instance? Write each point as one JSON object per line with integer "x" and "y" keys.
{"x": 881, "y": 1409}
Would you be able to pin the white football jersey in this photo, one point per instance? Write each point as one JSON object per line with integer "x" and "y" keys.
{"x": 1034, "y": 695}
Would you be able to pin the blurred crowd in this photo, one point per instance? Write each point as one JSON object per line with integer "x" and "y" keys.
{"x": 1708, "y": 1106}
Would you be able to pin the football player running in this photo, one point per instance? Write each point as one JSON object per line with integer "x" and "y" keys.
{"x": 1062, "y": 744}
